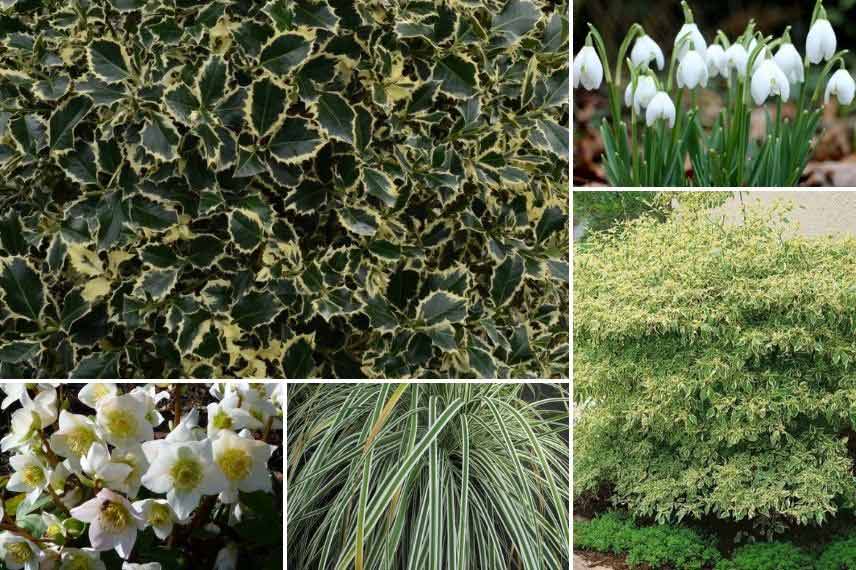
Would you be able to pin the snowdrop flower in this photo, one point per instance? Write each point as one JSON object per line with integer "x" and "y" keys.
{"x": 646, "y": 88}
{"x": 692, "y": 71}
{"x": 113, "y": 522}
{"x": 81, "y": 559}
{"x": 694, "y": 41}
{"x": 660, "y": 107}
{"x": 122, "y": 420}
{"x": 645, "y": 50}
{"x": 34, "y": 415}
{"x": 737, "y": 59}
{"x": 159, "y": 515}
{"x": 228, "y": 415}
{"x": 243, "y": 461}
{"x": 18, "y": 552}
{"x": 184, "y": 471}
{"x": 93, "y": 394}
{"x": 840, "y": 85}
{"x": 769, "y": 80}
{"x": 716, "y": 62}
{"x": 98, "y": 466}
{"x": 75, "y": 436}
{"x": 789, "y": 61}
{"x": 820, "y": 43}
{"x": 227, "y": 557}
{"x": 587, "y": 69}
{"x": 31, "y": 476}
{"x": 149, "y": 566}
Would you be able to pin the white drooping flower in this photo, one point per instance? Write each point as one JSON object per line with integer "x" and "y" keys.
{"x": 716, "y": 62}
{"x": 31, "y": 476}
{"x": 81, "y": 559}
{"x": 646, "y": 88}
{"x": 763, "y": 54}
{"x": 736, "y": 59}
{"x": 34, "y": 415}
{"x": 122, "y": 420}
{"x": 93, "y": 394}
{"x": 18, "y": 552}
{"x": 692, "y": 71}
{"x": 99, "y": 467}
{"x": 184, "y": 471}
{"x": 820, "y": 42}
{"x": 227, "y": 557}
{"x": 840, "y": 85}
{"x": 694, "y": 41}
{"x": 255, "y": 400}
{"x": 159, "y": 515}
{"x": 113, "y": 522}
{"x": 645, "y": 50}
{"x": 769, "y": 80}
{"x": 228, "y": 415}
{"x": 587, "y": 69}
{"x": 660, "y": 108}
{"x": 243, "y": 461}
{"x": 149, "y": 566}
{"x": 789, "y": 61}
{"x": 75, "y": 436}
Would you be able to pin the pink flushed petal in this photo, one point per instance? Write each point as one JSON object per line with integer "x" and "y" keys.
{"x": 125, "y": 543}
{"x": 99, "y": 538}
{"x": 88, "y": 511}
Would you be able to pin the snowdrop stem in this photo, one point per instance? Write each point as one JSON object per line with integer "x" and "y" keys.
{"x": 688, "y": 13}
{"x": 817, "y": 6}
{"x": 611, "y": 87}
{"x": 723, "y": 39}
{"x": 673, "y": 62}
{"x": 786, "y": 37}
{"x": 821, "y": 80}
{"x": 634, "y": 31}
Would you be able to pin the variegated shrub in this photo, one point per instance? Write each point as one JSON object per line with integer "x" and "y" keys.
{"x": 292, "y": 188}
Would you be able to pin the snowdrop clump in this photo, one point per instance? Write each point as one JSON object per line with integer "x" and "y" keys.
{"x": 664, "y": 130}
{"x": 82, "y": 484}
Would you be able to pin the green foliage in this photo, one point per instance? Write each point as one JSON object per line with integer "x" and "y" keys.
{"x": 713, "y": 369}
{"x": 469, "y": 476}
{"x": 838, "y": 555}
{"x": 768, "y": 556}
{"x": 248, "y": 189}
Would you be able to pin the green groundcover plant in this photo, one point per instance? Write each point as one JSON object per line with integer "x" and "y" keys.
{"x": 713, "y": 364}
{"x": 287, "y": 188}
{"x": 427, "y": 476}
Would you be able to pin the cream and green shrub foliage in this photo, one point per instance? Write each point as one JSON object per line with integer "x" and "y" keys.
{"x": 713, "y": 365}
{"x": 301, "y": 188}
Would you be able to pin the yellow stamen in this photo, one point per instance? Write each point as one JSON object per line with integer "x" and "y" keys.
{"x": 235, "y": 463}
{"x": 159, "y": 515}
{"x": 33, "y": 476}
{"x": 121, "y": 424}
{"x": 19, "y": 552}
{"x": 79, "y": 440}
{"x": 186, "y": 474}
{"x": 115, "y": 518}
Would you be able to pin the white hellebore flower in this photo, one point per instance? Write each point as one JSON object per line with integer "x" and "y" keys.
{"x": 229, "y": 415}
{"x": 18, "y": 552}
{"x": 81, "y": 559}
{"x": 694, "y": 41}
{"x": 149, "y": 566}
{"x": 645, "y": 50}
{"x": 227, "y": 557}
{"x": 646, "y": 88}
{"x": 135, "y": 458}
{"x": 820, "y": 43}
{"x": 159, "y": 515}
{"x": 789, "y": 61}
{"x": 34, "y": 415}
{"x": 716, "y": 62}
{"x": 737, "y": 59}
{"x": 150, "y": 398}
{"x": 660, "y": 107}
{"x": 31, "y": 476}
{"x": 769, "y": 80}
{"x": 98, "y": 466}
{"x": 122, "y": 420}
{"x": 75, "y": 436}
{"x": 842, "y": 86}
{"x": 113, "y": 522}
{"x": 184, "y": 471}
{"x": 692, "y": 71}
{"x": 243, "y": 461}
{"x": 93, "y": 394}
{"x": 54, "y": 530}
{"x": 587, "y": 69}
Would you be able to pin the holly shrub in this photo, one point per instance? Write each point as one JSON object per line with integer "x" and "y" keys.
{"x": 292, "y": 188}
{"x": 713, "y": 366}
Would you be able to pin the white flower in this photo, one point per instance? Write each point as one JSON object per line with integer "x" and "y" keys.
{"x": 841, "y": 85}
{"x": 93, "y": 394}
{"x": 660, "y": 107}
{"x": 645, "y": 50}
{"x": 587, "y": 69}
{"x": 646, "y": 88}
{"x": 255, "y": 400}
{"x": 227, "y": 557}
{"x": 695, "y": 41}
{"x": 113, "y": 522}
{"x": 184, "y": 471}
{"x": 763, "y": 54}
{"x": 228, "y": 415}
{"x": 159, "y": 515}
{"x": 737, "y": 59}
{"x": 13, "y": 394}
{"x": 36, "y": 414}
{"x": 98, "y": 466}
{"x": 789, "y": 61}
{"x": 820, "y": 43}
{"x": 54, "y": 529}
{"x": 716, "y": 62}
{"x": 135, "y": 458}
{"x": 81, "y": 559}
{"x": 122, "y": 420}
{"x": 149, "y": 397}
{"x": 243, "y": 461}
{"x": 769, "y": 80}
{"x": 31, "y": 476}
{"x": 18, "y": 552}
{"x": 149, "y": 566}
{"x": 692, "y": 71}
{"x": 75, "y": 436}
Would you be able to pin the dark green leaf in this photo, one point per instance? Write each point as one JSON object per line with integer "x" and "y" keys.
{"x": 284, "y": 53}
{"x": 108, "y": 61}
{"x": 255, "y": 308}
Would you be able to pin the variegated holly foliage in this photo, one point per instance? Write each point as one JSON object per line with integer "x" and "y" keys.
{"x": 293, "y": 188}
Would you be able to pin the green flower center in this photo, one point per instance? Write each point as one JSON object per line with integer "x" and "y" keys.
{"x": 222, "y": 420}
{"x": 19, "y": 552}
{"x": 54, "y": 531}
{"x": 235, "y": 463}
{"x": 121, "y": 424}
{"x": 115, "y": 518}
{"x": 79, "y": 440}
{"x": 186, "y": 474}
{"x": 33, "y": 476}
{"x": 76, "y": 562}
{"x": 159, "y": 515}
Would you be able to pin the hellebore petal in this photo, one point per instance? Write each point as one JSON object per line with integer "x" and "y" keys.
{"x": 769, "y": 80}
{"x": 789, "y": 61}
{"x": 692, "y": 71}
{"x": 820, "y": 42}
{"x": 842, "y": 86}
{"x": 587, "y": 69}
{"x": 737, "y": 59}
{"x": 645, "y": 50}
{"x": 716, "y": 62}
{"x": 660, "y": 107}
{"x": 695, "y": 42}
